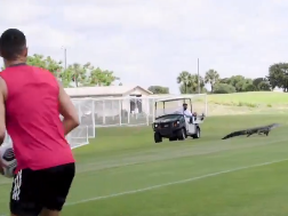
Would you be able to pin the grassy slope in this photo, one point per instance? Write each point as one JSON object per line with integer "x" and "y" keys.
{"x": 251, "y": 97}
{"x": 124, "y": 159}
{"x": 247, "y": 103}
{"x": 239, "y": 103}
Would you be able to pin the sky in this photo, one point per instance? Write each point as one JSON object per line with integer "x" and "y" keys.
{"x": 149, "y": 42}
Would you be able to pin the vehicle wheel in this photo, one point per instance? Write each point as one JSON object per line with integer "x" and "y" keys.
{"x": 181, "y": 134}
{"x": 198, "y": 133}
{"x": 173, "y": 139}
{"x": 157, "y": 138}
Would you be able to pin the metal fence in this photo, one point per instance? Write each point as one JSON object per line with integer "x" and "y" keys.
{"x": 128, "y": 111}
{"x": 123, "y": 111}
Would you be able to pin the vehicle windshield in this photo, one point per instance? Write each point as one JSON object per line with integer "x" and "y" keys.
{"x": 170, "y": 107}
{"x": 169, "y": 117}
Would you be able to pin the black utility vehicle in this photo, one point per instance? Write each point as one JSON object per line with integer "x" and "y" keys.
{"x": 175, "y": 126}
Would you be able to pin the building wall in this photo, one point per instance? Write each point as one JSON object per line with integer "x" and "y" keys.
{"x": 106, "y": 105}
{"x": 137, "y": 104}
{"x": 97, "y": 96}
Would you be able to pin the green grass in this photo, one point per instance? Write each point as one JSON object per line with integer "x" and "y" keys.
{"x": 250, "y": 98}
{"x": 240, "y": 103}
{"x": 237, "y": 103}
{"x": 126, "y": 159}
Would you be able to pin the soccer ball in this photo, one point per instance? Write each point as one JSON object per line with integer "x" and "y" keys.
{"x": 8, "y": 161}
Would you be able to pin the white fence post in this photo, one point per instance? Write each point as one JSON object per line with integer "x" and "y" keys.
{"x": 93, "y": 116}
{"x": 206, "y": 106}
{"x": 103, "y": 107}
{"x": 147, "y": 111}
{"x": 153, "y": 109}
{"x": 129, "y": 111}
{"x": 120, "y": 112}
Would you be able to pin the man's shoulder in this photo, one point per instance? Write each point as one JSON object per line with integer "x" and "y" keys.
{"x": 44, "y": 72}
{"x": 38, "y": 68}
{"x": 24, "y": 67}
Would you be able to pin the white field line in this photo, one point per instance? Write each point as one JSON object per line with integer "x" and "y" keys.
{"x": 6, "y": 181}
{"x": 173, "y": 183}
{"x": 169, "y": 157}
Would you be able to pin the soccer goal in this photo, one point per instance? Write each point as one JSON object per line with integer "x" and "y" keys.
{"x": 78, "y": 137}
{"x": 86, "y": 110}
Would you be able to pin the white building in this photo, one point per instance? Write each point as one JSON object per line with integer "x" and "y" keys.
{"x": 107, "y": 91}
{"x": 114, "y": 98}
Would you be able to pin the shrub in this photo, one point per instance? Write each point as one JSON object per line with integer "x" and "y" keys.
{"x": 222, "y": 88}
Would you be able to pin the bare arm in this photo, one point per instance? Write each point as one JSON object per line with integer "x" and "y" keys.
{"x": 3, "y": 94}
{"x": 68, "y": 111}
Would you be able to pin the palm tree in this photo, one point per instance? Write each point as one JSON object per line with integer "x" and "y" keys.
{"x": 183, "y": 79}
{"x": 193, "y": 83}
{"x": 212, "y": 77}
{"x": 79, "y": 75}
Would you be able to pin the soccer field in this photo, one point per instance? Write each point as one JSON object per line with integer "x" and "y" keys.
{"x": 123, "y": 173}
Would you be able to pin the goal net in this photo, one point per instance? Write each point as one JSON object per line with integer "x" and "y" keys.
{"x": 78, "y": 137}
{"x": 86, "y": 110}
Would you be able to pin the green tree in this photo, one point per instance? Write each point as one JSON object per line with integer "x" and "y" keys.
{"x": 224, "y": 80}
{"x": 212, "y": 77}
{"x": 257, "y": 80}
{"x": 66, "y": 77}
{"x": 100, "y": 77}
{"x": 183, "y": 79}
{"x": 82, "y": 75}
{"x": 239, "y": 82}
{"x": 36, "y": 60}
{"x": 192, "y": 85}
{"x": 249, "y": 87}
{"x": 159, "y": 89}
{"x": 264, "y": 86}
{"x": 261, "y": 84}
{"x": 224, "y": 88}
{"x": 278, "y": 76}
{"x": 79, "y": 74}
{"x": 47, "y": 63}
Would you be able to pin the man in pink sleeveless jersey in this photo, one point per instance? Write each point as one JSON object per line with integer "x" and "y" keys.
{"x": 31, "y": 101}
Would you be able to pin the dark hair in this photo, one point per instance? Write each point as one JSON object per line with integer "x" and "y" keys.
{"x": 12, "y": 43}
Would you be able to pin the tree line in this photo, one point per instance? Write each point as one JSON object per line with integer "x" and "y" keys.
{"x": 277, "y": 77}
{"x": 190, "y": 83}
{"x": 74, "y": 75}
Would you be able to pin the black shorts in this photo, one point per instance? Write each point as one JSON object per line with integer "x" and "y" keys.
{"x": 34, "y": 190}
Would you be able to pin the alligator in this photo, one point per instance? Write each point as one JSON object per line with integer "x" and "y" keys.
{"x": 264, "y": 130}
